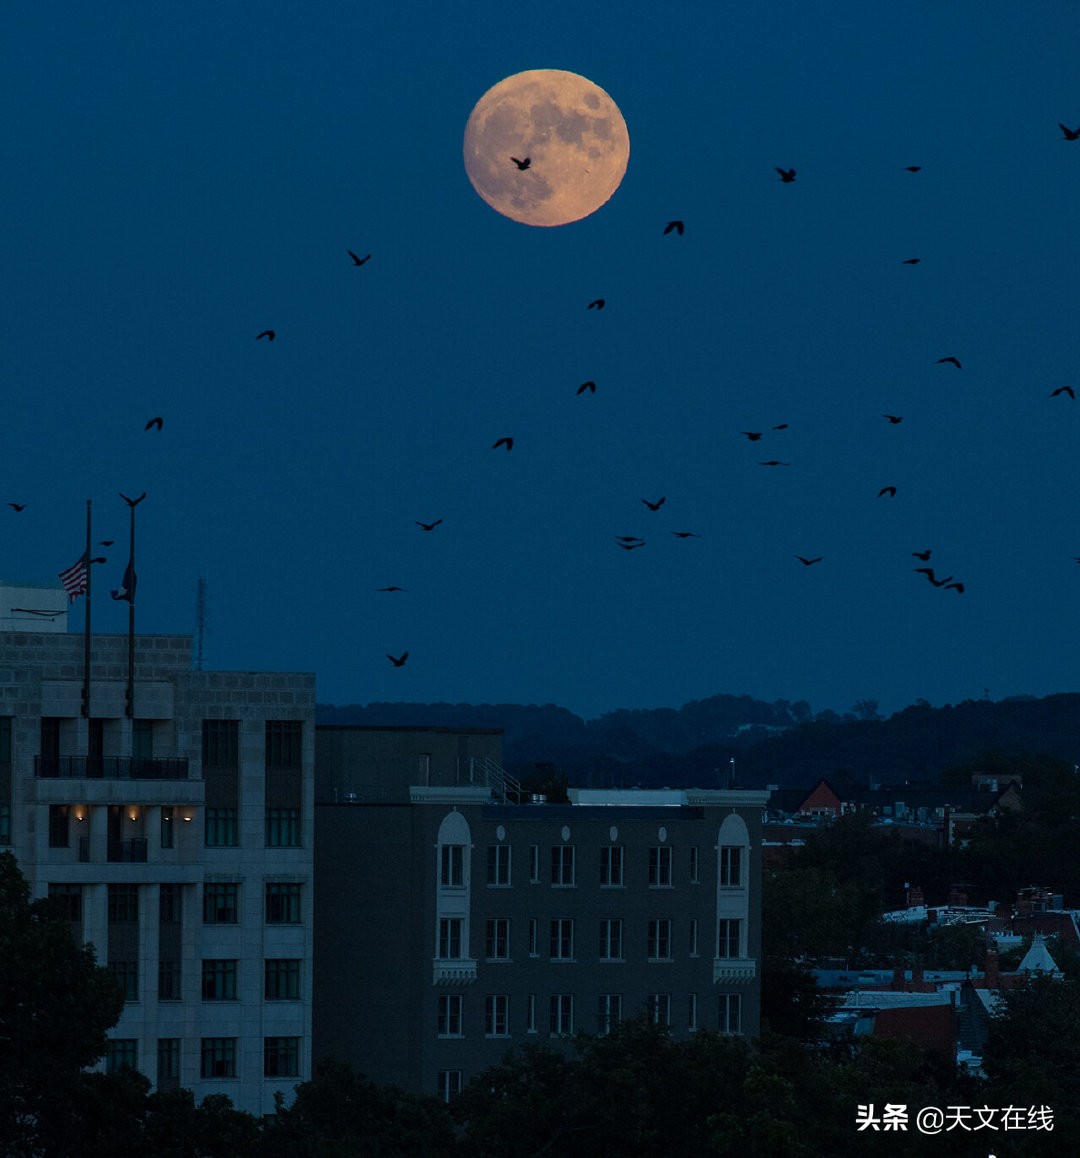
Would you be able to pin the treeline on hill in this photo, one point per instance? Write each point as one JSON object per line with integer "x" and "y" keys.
{"x": 781, "y": 743}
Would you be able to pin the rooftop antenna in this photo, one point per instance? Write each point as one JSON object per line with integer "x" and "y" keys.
{"x": 200, "y": 621}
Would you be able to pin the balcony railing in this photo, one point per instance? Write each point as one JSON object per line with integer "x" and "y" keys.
{"x": 110, "y": 768}
{"x": 128, "y": 851}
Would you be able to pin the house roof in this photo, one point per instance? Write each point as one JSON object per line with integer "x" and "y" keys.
{"x": 1037, "y": 959}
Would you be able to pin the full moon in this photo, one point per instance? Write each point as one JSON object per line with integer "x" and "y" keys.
{"x": 546, "y": 147}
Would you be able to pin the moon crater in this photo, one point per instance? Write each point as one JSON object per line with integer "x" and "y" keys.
{"x": 571, "y": 131}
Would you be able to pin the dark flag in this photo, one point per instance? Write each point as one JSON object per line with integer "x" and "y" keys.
{"x": 127, "y": 586}
{"x": 74, "y": 579}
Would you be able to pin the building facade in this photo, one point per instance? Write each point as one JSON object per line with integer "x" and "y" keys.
{"x": 177, "y": 831}
{"x": 455, "y": 920}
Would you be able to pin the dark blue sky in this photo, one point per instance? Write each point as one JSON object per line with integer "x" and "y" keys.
{"x": 177, "y": 179}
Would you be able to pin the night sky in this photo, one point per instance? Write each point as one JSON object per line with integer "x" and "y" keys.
{"x": 177, "y": 179}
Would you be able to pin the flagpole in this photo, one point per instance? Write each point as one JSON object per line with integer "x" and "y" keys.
{"x": 86, "y": 630}
{"x": 131, "y": 626}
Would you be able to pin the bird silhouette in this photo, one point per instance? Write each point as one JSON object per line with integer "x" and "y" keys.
{"x": 392, "y": 588}
{"x": 786, "y": 175}
{"x": 522, "y": 165}
{"x": 686, "y": 534}
{"x": 17, "y": 506}
{"x": 774, "y": 462}
{"x": 270, "y": 334}
{"x": 929, "y": 573}
{"x": 923, "y": 555}
{"x": 357, "y": 259}
{"x": 590, "y": 386}
{"x": 598, "y": 304}
{"x": 507, "y": 442}
{"x": 913, "y": 168}
{"x": 677, "y": 226}
{"x": 957, "y": 587}
{"x": 955, "y": 361}
{"x": 1070, "y": 134}
{"x": 809, "y": 562}
{"x": 629, "y": 539}
{"x": 132, "y": 502}
{"x": 894, "y": 419}
{"x": 890, "y": 491}
{"x": 400, "y": 660}
{"x": 427, "y": 526}
{"x": 1063, "y": 390}
{"x": 753, "y": 435}
{"x": 106, "y": 542}
{"x": 158, "y": 422}
{"x": 657, "y": 505}
{"x": 782, "y": 426}
{"x": 631, "y": 546}
{"x": 911, "y": 261}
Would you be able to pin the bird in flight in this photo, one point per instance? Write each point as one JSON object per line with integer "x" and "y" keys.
{"x": 106, "y": 542}
{"x": 957, "y": 587}
{"x": 1070, "y": 134}
{"x": 913, "y": 168}
{"x": 787, "y": 176}
{"x": 686, "y": 534}
{"x": 158, "y": 422}
{"x": 522, "y": 165}
{"x": 929, "y": 573}
{"x": 911, "y": 261}
{"x": 590, "y": 386}
{"x": 809, "y": 562}
{"x": 400, "y": 660}
{"x": 955, "y": 361}
{"x": 753, "y": 435}
{"x": 269, "y": 334}
{"x": 774, "y": 462}
{"x": 17, "y": 506}
{"x": 629, "y": 539}
{"x": 132, "y": 502}
{"x": 630, "y": 546}
{"x": 677, "y": 226}
{"x": 507, "y": 442}
{"x": 598, "y": 304}
{"x": 1063, "y": 390}
{"x": 427, "y": 526}
{"x": 391, "y": 588}
{"x": 923, "y": 555}
{"x": 894, "y": 419}
{"x": 890, "y": 491}
{"x": 782, "y": 426}
{"x": 657, "y": 505}
{"x": 357, "y": 259}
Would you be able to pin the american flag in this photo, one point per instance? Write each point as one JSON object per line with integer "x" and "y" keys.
{"x": 74, "y": 579}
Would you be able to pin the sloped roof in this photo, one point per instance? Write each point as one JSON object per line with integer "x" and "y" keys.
{"x": 1037, "y": 959}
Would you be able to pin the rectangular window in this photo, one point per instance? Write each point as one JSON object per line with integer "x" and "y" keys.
{"x": 731, "y": 866}
{"x": 693, "y": 937}
{"x": 282, "y": 903}
{"x": 121, "y": 1053}
{"x": 281, "y": 979}
{"x": 284, "y": 743}
{"x": 219, "y": 980}
{"x": 730, "y": 1013}
{"x": 660, "y": 866}
{"x": 695, "y": 867}
{"x": 691, "y": 1018}
{"x": 658, "y": 1008}
{"x": 168, "y": 1060}
{"x": 498, "y": 939}
{"x": 562, "y": 939}
{"x": 562, "y": 865}
{"x": 168, "y": 980}
{"x": 283, "y": 828}
{"x": 534, "y": 864}
{"x": 67, "y": 901}
{"x": 449, "y": 1016}
{"x": 534, "y": 935}
{"x": 611, "y": 939}
{"x": 59, "y": 825}
{"x": 498, "y": 865}
{"x": 221, "y": 743}
{"x": 450, "y": 930}
{"x": 281, "y": 1057}
{"x": 168, "y": 826}
{"x": 530, "y": 1013}
{"x": 221, "y": 828}
{"x": 562, "y": 1013}
{"x": 218, "y": 1057}
{"x": 728, "y": 938}
{"x": 221, "y": 903}
{"x": 449, "y": 1084}
{"x": 170, "y": 904}
{"x": 127, "y": 974}
{"x": 660, "y": 939}
{"x": 452, "y": 866}
{"x": 497, "y": 1015}
{"x": 123, "y": 904}
{"x": 609, "y": 1012}
{"x": 611, "y": 866}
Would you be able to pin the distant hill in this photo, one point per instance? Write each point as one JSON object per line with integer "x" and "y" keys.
{"x": 780, "y": 743}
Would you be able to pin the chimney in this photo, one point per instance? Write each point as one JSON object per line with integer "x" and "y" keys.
{"x": 993, "y": 979}
{"x": 897, "y": 984}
